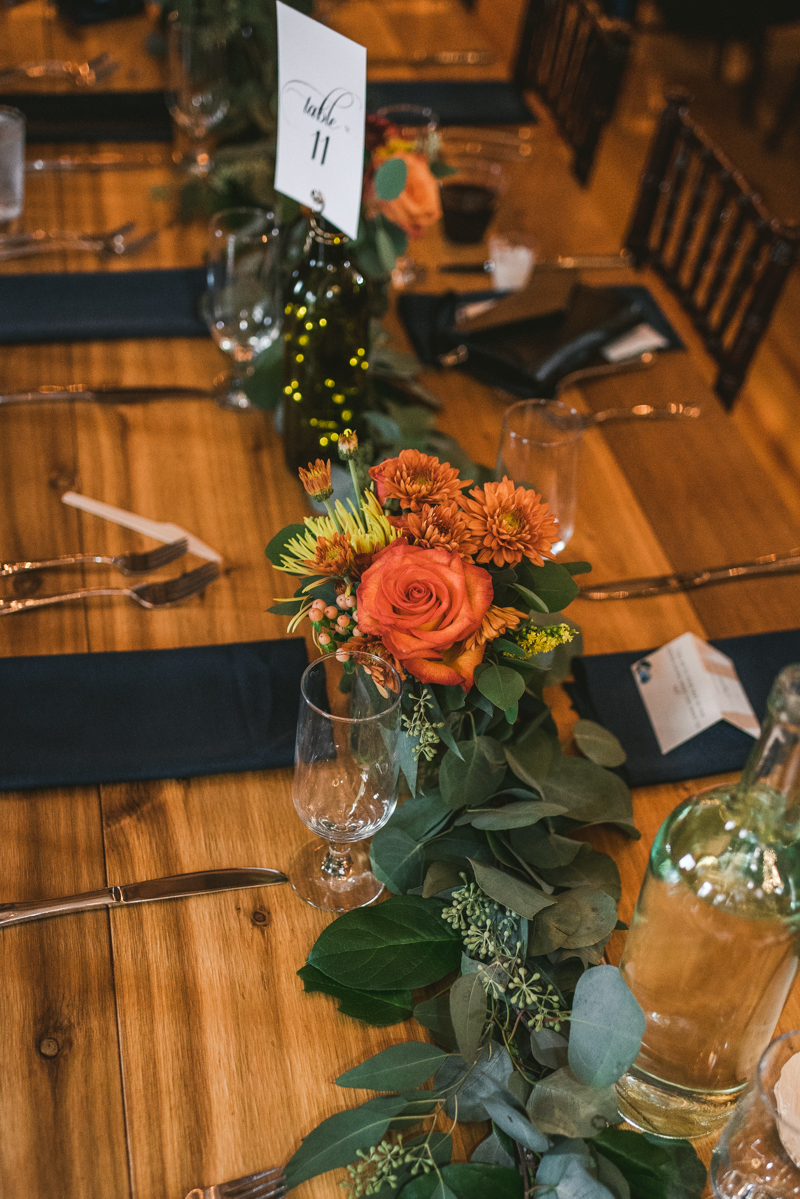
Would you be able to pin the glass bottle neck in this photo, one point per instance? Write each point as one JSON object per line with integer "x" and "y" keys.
{"x": 773, "y": 768}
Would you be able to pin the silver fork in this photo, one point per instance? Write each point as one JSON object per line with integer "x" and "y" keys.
{"x": 83, "y": 73}
{"x": 110, "y": 244}
{"x": 128, "y": 564}
{"x": 147, "y": 595}
{"x": 267, "y": 1184}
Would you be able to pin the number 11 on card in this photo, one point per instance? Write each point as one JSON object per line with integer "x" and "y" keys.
{"x": 316, "y": 147}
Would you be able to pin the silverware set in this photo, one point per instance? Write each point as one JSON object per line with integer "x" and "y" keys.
{"x": 114, "y": 243}
{"x": 83, "y": 74}
{"x": 267, "y": 1184}
{"x": 148, "y": 595}
{"x": 770, "y": 564}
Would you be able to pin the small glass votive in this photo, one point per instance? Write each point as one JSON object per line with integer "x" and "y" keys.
{"x": 758, "y": 1153}
{"x": 512, "y": 261}
{"x": 12, "y": 162}
{"x": 540, "y": 447}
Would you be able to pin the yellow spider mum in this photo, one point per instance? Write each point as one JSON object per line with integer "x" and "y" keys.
{"x": 301, "y": 556}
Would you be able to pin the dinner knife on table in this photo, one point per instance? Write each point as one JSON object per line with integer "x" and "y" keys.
{"x": 176, "y": 886}
{"x": 770, "y": 564}
{"x": 105, "y": 394}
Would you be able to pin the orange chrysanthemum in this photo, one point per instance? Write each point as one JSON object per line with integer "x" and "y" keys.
{"x": 317, "y": 479}
{"x": 333, "y": 556}
{"x": 442, "y": 527}
{"x": 374, "y": 646}
{"x": 415, "y": 478}
{"x": 496, "y": 622}
{"x": 511, "y": 523}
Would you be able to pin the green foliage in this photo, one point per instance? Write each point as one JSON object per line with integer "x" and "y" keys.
{"x": 468, "y": 1015}
{"x": 401, "y": 943}
{"x": 552, "y": 583}
{"x": 474, "y": 775}
{"x": 386, "y": 1007}
{"x": 654, "y": 1167}
{"x": 560, "y": 1105}
{"x": 277, "y": 545}
{"x": 264, "y": 387}
{"x": 466, "y": 1181}
{"x": 409, "y": 1064}
{"x": 598, "y": 743}
{"x": 500, "y": 684}
{"x": 390, "y": 179}
{"x": 606, "y": 1028}
{"x": 511, "y": 892}
{"x": 397, "y": 859}
{"x": 336, "y": 1140}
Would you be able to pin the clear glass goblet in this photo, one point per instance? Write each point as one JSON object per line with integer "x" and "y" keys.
{"x": 197, "y": 84}
{"x": 242, "y": 306}
{"x": 345, "y": 775}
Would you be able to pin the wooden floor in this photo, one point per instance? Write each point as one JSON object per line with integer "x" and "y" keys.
{"x": 767, "y": 410}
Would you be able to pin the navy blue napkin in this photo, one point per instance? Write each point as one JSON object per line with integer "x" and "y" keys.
{"x": 93, "y": 116}
{"x": 507, "y": 356}
{"x": 100, "y": 305}
{"x": 604, "y": 691}
{"x": 70, "y": 719}
{"x": 456, "y": 103}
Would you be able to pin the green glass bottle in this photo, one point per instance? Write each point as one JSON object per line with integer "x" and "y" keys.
{"x": 326, "y": 347}
{"x": 712, "y": 950}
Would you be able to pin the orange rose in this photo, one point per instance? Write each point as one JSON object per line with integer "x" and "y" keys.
{"x": 424, "y": 604}
{"x": 419, "y": 205}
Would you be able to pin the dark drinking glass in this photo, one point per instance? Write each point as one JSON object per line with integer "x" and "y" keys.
{"x": 470, "y": 199}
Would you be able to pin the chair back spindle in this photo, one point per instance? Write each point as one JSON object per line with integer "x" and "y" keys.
{"x": 574, "y": 57}
{"x": 708, "y": 234}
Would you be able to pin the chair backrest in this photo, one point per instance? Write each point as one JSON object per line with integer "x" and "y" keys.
{"x": 708, "y": 234}
{"x": 574, "y": 56}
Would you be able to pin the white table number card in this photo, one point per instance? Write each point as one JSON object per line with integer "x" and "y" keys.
{"x": 687, "y": 686}
{"x": 322, "y": 90}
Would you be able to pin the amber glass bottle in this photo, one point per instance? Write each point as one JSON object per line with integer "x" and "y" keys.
{"x": 326, "y": 347}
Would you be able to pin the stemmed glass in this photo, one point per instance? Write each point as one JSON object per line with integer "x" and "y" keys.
{"x": 345, "y": 776}
{"x": 196, "y": 98}
{"x": 242, "y": 306}
{"x": 758, "y": 1153}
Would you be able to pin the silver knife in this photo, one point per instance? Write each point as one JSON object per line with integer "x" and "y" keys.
{"x": 770, "y": 564}
{"x": 176, "y": 886}
{"x": 103, "y": 394}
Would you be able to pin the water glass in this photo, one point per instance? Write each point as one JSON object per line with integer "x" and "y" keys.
{"x": 540, "y": 447}
{"x": 346, "y": 774}
{"x": 12, "y": 162}
{"x": 197, "y": 88}
{"x": 757, "y": 1154}
{"x": 417, "y": 124}
{"x": 470, "y": 198}
{"x": 242, "y": 306}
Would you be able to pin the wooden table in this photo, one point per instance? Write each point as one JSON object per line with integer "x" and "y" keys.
{"x": 148, "y": 1051}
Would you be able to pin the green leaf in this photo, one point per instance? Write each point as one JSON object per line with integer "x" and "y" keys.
{"x": 588, "y": 868}
{"x": 516, "y": 1124}
{"x": 277, "y": 545}
{"x": 653, "y": 1166}
{"x": 401, "y": 943}
{"x": 466, "y": 1180}
{"x": 577, "y": 568}
{"x": 390, "y": 179}
{"x": 552, "y": 583}
{"x": 388, "y": 1007}
{"x": 434, "y": 1014}
{"x": 567, "y": 1173}
{"x": 534, "y": 758}
{"x": 457, "y": 844}
{"x": 337, "y": 1140}
{"x": 397, "y": 859}
{"x": 545, "y": 850}
{"x": 475, "y": 1083}
{"x": 500, "y": 684}
{"x": 406, "y": 744}
{"x": 441, "y": 876}
{"x": 561, "y": 1106}
{"x": 589, "y": 793}
{"x": 606, "y": 1027}
{"x": 511, "y": 892}
{"x": 440, "y": 170}
{"x": 473, "y": 777}
{"x": 398, "y": 1068}
{"x": 492, "y": 1152}
{"x": 579, "y": 917}
{"x": 468, "y": 1014}
{"x": 516, "y": 815}
{"x": 421, "y": 816}
{"x": 598, "y": 743}
{"x": 264, "y": 387}
{"x": 531, "y": 598}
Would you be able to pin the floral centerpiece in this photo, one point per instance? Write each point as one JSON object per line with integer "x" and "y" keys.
{"x": 499, "y": 915}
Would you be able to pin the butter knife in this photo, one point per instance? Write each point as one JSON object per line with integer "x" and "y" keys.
{"x": 770, "y": 564}
{"x": 103, "y": 394}
{"x": 176, "y": 886}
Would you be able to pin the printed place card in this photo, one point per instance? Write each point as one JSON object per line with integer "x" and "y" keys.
{"x": 686, "y": 686}
{"x": 322, "y": 89}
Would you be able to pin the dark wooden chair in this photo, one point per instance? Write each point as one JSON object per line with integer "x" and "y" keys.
{"x": 574, "y": 56}
{"x": 708, "y": 234}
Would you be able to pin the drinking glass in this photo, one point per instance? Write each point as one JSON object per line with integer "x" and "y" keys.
{"x": 757, "y": 1154}
{"x": 417, "y": 124}
{"x": 196, "y": 95}
{"x": 12, "y": 162}
{"x": 470, "y": 198}
{"x": 242, "y": 306}
{"x": 345, "y": 775}
{"x": 540, "y": 447}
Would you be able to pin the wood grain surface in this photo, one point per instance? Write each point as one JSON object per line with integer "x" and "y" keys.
{"x": 186, "y": 1050}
